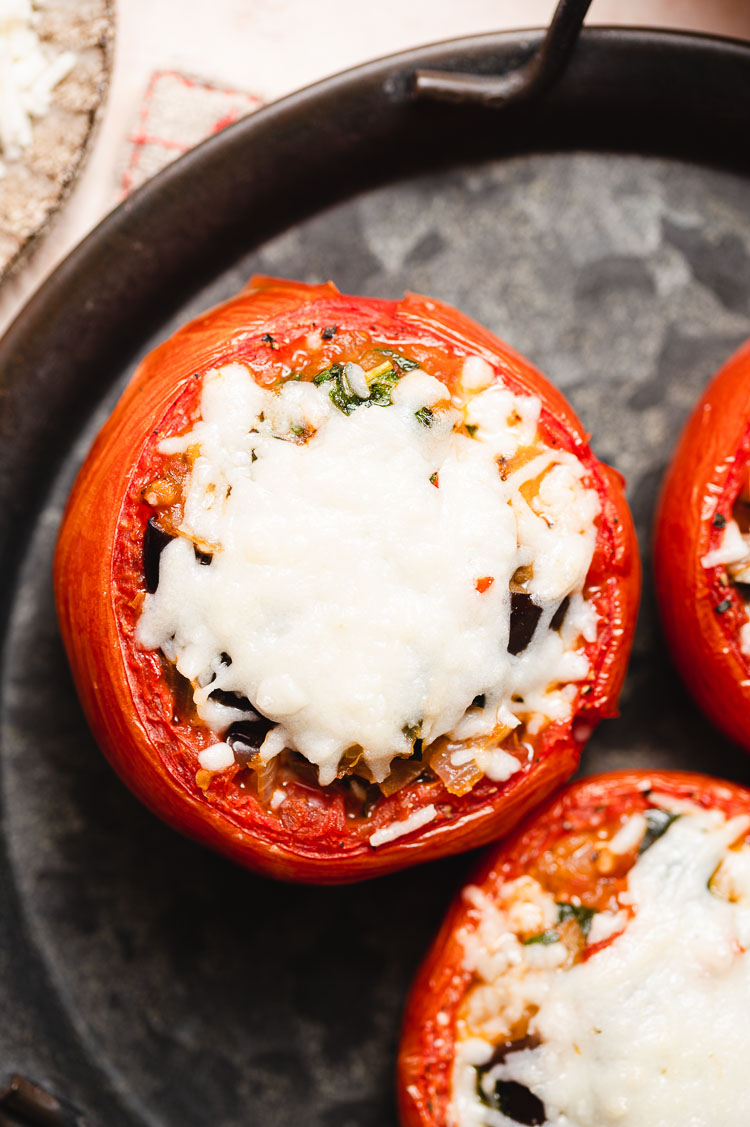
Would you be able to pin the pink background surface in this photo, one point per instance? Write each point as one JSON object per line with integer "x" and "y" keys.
{"x": 272, "y": 47}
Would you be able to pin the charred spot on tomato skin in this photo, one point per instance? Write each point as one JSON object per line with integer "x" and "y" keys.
{"x": 524, "y": 617}
{"x": 155, "y": 540}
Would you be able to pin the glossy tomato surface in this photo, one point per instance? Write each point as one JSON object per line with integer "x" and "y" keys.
{"x": 130, "y": 702}
{"x": 701, "y": 611}
{"x": 548, "y": 846}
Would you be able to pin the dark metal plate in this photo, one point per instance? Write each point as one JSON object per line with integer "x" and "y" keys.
{"x": 144, "y": 979}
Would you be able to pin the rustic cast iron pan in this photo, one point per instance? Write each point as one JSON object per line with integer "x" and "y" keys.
{"x": 599, "y": 223}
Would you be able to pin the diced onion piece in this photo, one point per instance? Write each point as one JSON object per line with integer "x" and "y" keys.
{"x": 266, "y": 778}
{"x": 457, "y": 779}
{"x": 403, "y": 772}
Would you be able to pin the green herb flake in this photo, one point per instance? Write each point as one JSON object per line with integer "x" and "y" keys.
{"x": 269, "y": 340}
{"x": 433, "y": 478}
{"x": 658, "y": 821}
{"x": 345, "y": 401}
{"x": 719, "y": 520}
{"x": 425, "y": 416}
{"x": 582, "y": 916}
{"x": 723, "y": 606}
{"x": 404, "y": 363}
{"x": 329, "y": 332}
{"x": 328, "y": 374}
{"x": 297, "y": 431}
{"x": 471, "y": 430}
{"x": 381, "y": 388}
{"x": 544, "y": 937}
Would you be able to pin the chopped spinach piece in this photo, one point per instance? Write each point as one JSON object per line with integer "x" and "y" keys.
{"x": 401, "y": 361}
{"x": 425, "y": 416}
{"x": 723, "y": 606}
{"x": 582, "y": 916}
{"x": 471, "y": 429}
{"x": 382, "y": 387}
{"x": 332, "y": 373}
{"x": 544, "y": 937}
{"x": 343, "y": 397}
{"x": 346, "y": 401}
{"x": 659, "y": 822}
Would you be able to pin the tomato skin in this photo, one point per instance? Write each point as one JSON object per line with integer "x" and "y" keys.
{"x": 98, "y": 583}
{"x": 427, "y": 1048}
{"x": 703, "y": 480}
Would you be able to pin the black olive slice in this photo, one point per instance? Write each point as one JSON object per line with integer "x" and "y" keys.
{"x": 508, "y": 1096}
{"x": 479, "y": 701}
{"x": 203, "y": 558}
{"x": 559, "y": 616}
{"x": 532, "y": 1041}
{"x": 231, "y": 699}
{"x": 519, "y": 1103}
{"x": 524, "y": 616}
{"x": 155, "y": 540}
{"x": 246, "y": 738}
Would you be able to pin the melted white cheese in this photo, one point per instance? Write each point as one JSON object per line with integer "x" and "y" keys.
{"x": 732, "y": 547}
{"x": 343, "y": 582}
{"x": 648, "y": 1032}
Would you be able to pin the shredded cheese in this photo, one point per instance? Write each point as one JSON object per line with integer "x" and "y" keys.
{"x": 29, "y": 72}
{"x": 647, "y": 1030}
{"x": 408, "y": 825}
{"x": 344, "y": 585}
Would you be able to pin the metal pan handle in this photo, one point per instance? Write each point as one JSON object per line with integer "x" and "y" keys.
{"x": 543, "y": 68}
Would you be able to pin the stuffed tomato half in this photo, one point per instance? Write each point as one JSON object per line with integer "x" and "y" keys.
{"x": 342, "y": 585}
{"x": 702, "y": 551}
{"x": 595, "y": 973}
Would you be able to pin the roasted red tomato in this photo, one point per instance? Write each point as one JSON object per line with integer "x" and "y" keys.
{"x": 342, "y": 585}
{"x": 702, "y": 551}
{"x": 593, "y": 972}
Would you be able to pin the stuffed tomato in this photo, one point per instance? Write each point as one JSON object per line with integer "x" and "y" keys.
{"x": 702, "y": 551}
{"x": 342, "y": 585}
{"x": 595, "y": 972}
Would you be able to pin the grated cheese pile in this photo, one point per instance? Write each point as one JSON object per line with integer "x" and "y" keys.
{"x": 29, "y": 72}
{"x": 348, "y": 582}
{"x": 647, "y": 1032}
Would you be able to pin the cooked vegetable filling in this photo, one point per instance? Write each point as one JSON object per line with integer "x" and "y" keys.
{"x": 732, "y": 552}
{"x": 373, "y": 564}
{"x": 623, "y": 1009}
